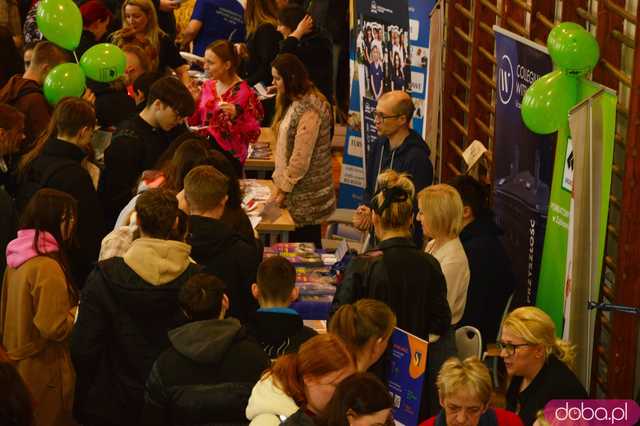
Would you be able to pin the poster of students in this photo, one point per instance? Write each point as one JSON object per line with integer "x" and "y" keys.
{"x": 408, "y": 363}
{"x": 383, "y": 57}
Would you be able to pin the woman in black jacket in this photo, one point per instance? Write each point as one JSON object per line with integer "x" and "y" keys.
{"x": 260, "y": 18}
{"x": 58, "y": 161}
{"x": 403, "y": 276}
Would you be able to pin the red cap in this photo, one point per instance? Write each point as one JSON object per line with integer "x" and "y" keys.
{"x": 92, "y": 11}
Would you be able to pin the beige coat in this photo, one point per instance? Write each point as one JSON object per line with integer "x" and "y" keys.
{"x": 36, "y": 318}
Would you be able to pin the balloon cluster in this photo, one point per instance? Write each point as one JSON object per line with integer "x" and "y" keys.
{"x": 546, "y": 103}
{"x": 60, "y": 22}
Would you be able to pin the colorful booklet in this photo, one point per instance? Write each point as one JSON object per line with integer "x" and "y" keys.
{"x": 406, "y": 375}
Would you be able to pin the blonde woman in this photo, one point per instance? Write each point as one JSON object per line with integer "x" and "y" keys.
{"x": 407, "y": 279}
{"x": 140, "y": 26}
{"x": 440, "y": 212}
{"x": 538, "y": 363}
{"x": 302, "y": 175}
{"x": 365, "y": 327}
{"x": 465, "y": 389}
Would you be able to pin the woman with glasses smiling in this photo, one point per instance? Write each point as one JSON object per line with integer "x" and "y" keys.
{"x": 538, "y": 363}
{"x": 465, "y": 392}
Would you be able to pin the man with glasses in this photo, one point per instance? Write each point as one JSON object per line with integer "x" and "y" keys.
{"x": 399, "y": 148}
{"x": 139, "y": 142}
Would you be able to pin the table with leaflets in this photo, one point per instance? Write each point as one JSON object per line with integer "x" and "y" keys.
{"x": 260, "y": 157}
{"x": 314, "y": 277}
{"x": 266, "y": 219}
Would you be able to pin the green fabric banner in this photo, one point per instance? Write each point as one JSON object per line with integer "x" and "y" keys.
{"x": 553, "y": 273}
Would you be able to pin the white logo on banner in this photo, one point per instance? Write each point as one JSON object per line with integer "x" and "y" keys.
{"x": 414, "y": 29}
{"x": 352, "y": 175}
{"x": 505, "y": 79}
{"x": 567, "y": 178}
{"x": 417, "y": 82}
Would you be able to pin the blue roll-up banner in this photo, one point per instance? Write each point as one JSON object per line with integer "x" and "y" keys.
{"x": 523, "y": 162}
{"x": 389, "y": 51}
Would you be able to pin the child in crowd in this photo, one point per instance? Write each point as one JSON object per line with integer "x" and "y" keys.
{"x": 207, "y": 374}
{"x": 278, "y": 328}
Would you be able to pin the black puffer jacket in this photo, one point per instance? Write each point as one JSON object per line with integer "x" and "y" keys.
{"x": 205, "y": 377}
{"x": 122, "y": 328}
{"x": 279, "y": 332}
{"x": 405, "y": 278}
{"x": 228, "y": 256}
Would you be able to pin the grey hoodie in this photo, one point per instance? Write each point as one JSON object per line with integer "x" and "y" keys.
{"x": 207, "y": 341}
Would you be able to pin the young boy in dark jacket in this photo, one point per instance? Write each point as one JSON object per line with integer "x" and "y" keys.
{"x": 207, "y": 374}
{"x": 278, "y": 328}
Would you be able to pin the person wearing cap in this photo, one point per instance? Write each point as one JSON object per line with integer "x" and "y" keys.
{"x": 95, "y": 22}
{"x": 403, "y": 276}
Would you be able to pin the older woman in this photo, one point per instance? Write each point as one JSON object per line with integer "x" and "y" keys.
{"x": 538, "y": 363}
{"x": 465, "y": 391}
{"x": 140, "y": 26}
{"x": 440, "y": 209}
{"x": 302, "y": 125}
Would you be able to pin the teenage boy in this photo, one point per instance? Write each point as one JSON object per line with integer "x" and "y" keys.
{"x": 140, "y": 141}
{"x": 207, "y": 374}
{"x": 129, "y": 304}
{"x": 25, "y": 91}
{"x": 278, "y": 328}
{"x": 221, "y": 251}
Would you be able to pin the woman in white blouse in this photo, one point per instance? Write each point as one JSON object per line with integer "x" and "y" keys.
{"x": 440, "y": 209}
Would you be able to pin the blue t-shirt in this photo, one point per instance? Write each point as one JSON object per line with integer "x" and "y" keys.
{"x": 220, "y": 19}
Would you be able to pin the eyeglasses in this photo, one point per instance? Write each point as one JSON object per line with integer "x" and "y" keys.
{"x": 510, "y": 348}
{"x": 378, "y": 116}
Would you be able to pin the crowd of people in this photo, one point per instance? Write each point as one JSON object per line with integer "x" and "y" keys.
{"x": 134, "y": 286}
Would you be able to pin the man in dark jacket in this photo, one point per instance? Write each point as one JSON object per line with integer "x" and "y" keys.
{"x": 128, "y": 305}
{"x": 59, "y": 166}
{"x": 312, "y": 47}
{"x": 207, "y": 374}
{"x": 278, "y": 328}
{"x": 492, "y": 280}
{"x": 399, "y": 148}
{"x": 25, "y": 91}
{"x": 140, "y": 141}
{"x": 215, "y": 245}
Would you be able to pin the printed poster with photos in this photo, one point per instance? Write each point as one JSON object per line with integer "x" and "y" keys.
{"x": 382, "y": 55}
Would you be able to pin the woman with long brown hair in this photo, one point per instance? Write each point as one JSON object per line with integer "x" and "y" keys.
{"x": 140, "y": 26}
{"x": 301, "y": 384}
{"x": 263, "y": 38}
{"x": 302, "y": 125}
{"x": 39, "y": 302}
{"x": 227, "y": 107}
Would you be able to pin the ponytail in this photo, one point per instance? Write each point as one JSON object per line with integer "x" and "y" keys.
{"x": 358, "y": 323}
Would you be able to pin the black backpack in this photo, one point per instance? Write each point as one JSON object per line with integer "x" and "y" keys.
{"x": 38, "y": 179}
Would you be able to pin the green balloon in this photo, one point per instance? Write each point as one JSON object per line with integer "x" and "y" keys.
{"x": 60, "y": 22}
{"x": 546, "y": 103}
{"x": 62, "y": 81}
{"x": 103, "y": 62}
{"x": 572, "y": 48}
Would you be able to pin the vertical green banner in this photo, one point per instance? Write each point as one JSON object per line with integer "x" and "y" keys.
{"x": 553, "y": 273}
